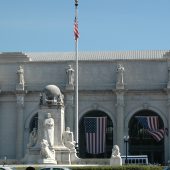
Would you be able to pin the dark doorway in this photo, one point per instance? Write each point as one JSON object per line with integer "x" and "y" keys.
{"x": 109, "y": 136}
{"x": 143, "y": 143}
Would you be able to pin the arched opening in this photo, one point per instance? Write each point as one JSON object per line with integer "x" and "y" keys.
{"x": 142, "y": 140}
{"x": 33, "y": 123}
{"x": 83, "y": 151}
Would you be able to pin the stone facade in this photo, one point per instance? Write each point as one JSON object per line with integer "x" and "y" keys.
{"x": 142, "y": 83}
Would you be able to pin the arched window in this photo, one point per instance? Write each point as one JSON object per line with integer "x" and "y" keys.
{"x": 33, "y": 122}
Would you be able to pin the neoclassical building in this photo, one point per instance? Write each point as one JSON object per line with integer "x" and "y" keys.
{"x": 121, "y": 86}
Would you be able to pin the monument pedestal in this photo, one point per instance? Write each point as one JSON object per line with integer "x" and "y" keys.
{"x": 47, "y": 161}
{"x": 73, "y": 156}
{"x": 62, "y": 155}
{"x": 116, "y": 161}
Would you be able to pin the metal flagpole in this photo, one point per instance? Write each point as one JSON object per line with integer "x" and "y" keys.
{"x": 76, "y": 34}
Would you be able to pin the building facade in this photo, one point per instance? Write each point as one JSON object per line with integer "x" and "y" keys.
{"x": 122, "y": 86}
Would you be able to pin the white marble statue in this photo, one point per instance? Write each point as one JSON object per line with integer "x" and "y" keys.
{"x": 49, "y": 129}
{"x": 20, "y": 73}
{"x": 115, "y": 151}
{"x": 45, "y": 152}
{"x": 68, "y": 139}
{"x": 33, "y": 138}
{"x": 70, "y": 75}
{"x": 115, "y": 159}
{"x": 120, "y": 70}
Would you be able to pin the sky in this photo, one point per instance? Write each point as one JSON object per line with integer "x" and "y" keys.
{"x": 104, "y": 25}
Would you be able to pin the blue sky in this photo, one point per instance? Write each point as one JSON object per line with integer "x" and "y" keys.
{"x": 104, "y": 25}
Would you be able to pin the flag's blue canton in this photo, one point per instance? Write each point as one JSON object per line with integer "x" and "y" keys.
{"x": 90, "y": 125}
{"x": 143, "y": 122}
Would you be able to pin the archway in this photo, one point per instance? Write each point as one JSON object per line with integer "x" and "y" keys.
{"x": 142, "y": 141}
{"x": 83, "y": 153}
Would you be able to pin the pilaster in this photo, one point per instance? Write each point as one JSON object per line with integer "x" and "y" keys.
{"x": 120, "y": 118}
{"x": 69, "y": 109}
{"x": 20, "y": 124}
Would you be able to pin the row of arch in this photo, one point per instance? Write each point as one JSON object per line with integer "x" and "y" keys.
{"x": 139, "y": 143}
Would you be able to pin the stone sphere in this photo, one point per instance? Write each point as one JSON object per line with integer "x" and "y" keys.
{"x": 52, "y": 91}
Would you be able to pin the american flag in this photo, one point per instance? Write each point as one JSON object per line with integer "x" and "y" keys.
{"x": 76, "y": 31}
{"x": 151, "y": 126}
{"x": 95, "y": 131}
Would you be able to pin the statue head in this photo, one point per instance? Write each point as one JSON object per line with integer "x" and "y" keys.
{"x": 68, "y": 129}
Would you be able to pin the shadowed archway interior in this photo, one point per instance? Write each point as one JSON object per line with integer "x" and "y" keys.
{"x": 143, "y": 143}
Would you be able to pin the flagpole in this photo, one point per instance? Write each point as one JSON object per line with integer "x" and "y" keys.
{"x": 76, "y": 54}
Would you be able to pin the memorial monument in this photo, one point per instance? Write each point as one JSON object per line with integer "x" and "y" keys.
{"x": 51, "y": 143}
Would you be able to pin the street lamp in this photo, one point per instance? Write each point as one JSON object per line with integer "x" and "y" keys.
{"x": 126, "y": 139}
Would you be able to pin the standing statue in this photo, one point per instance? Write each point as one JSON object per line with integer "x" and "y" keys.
{"x": 33, "y": 138}
{"x": 49, "y": 129}
{"x": 120, "y": 70}
{"x": 70, "y": 75}
{"x": 20, "y": 73}
{"x": 68, "y": 140}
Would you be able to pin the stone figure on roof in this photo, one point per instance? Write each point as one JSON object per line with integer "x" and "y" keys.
{"x": 20, "y": 73}
{"x": 120, "y": 71}
{"x": 49, "y": 129}
{"x": 68, "y": 139}
{"x": 70, "y": 75}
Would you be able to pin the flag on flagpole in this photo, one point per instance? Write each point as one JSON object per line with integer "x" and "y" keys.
{"x": 76, "y": 31}
{"x": 151, "y": 126}
{"x": 95, "y": 131}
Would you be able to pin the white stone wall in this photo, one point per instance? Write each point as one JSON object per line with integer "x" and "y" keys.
{"x": 145, "y": 84}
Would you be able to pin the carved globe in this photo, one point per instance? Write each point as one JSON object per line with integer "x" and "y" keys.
{"x": 52, "y": 91}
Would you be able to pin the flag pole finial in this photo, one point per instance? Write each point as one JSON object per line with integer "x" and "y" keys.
{"x": 76, "y": 2}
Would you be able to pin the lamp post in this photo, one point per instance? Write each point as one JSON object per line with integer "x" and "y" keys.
{"x": 126, "y": 139}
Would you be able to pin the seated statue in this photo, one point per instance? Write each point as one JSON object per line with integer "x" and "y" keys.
{"x": 115, "y": 151}
{"x": 33, "y": 138}
{"x": 116, "y": 159}
{"x": 68, "y": 140}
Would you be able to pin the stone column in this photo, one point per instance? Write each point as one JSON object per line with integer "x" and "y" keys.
{"x": 20, "y": 93}
{"x": 120, "y": 119}
{"x": 120, "y": 106}
{"x": 20, "y": 126}
{"x": 69, "y": 99}
{"x": 69, "y": 111}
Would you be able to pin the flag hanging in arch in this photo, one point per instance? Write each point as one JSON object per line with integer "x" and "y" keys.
{"x": 95, "y": 134}
{"x": 151, "y": 126}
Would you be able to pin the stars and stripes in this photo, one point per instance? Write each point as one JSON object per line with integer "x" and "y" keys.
{"x": 151, "y": 126}
{"x": 76, "y": 31}
{"x": 95, "y": 131}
